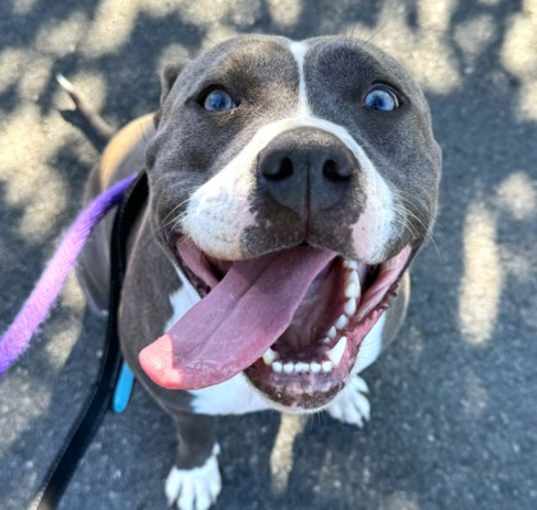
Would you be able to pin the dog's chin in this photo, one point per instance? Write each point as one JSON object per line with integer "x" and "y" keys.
{"x": 307, "y": 366}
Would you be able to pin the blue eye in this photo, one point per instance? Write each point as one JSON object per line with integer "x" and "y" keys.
{"x": 218, "y": 100}
{"x": 382, "y": 99}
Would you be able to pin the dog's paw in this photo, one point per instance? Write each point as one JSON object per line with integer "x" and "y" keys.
{"x": 197, "y": 488}
{"x": 351, "y": 405}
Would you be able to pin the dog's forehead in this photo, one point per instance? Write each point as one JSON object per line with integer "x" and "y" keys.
{"x": 348, "y": 59}
{"x": 243, "y": 61}
{"x": 341, "y": 64}
{"x": 251, "y": 60}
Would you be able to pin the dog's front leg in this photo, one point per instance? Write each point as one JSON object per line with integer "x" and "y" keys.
{"x": 194, "y": 482}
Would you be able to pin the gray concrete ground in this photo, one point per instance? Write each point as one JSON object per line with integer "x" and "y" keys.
{"x": 454, "y": 418}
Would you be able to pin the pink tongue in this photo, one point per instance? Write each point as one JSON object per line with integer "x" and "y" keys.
{"x": 236, "y": 323}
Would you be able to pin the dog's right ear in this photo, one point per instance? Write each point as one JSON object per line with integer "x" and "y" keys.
{"x": 167, "y": 79}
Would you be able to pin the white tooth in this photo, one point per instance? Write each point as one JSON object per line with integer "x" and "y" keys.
{"x": 336, "y": 353}
{"x": 270, "y": 356}
{"x": 326, "y": 340}
{"x": 350, "y": 307}
{"x": 352, "y": 290}
{"x": 332, "y": 332}
{"x": 342, "y": 321}
{"x": 289, "y": 367}
{"x": 302, "y": 367}
{"x": 351, "y": 264}
{"x": 353, "y": 277}
{"x": 327, "y": 366}
{"x": 277, "y": 366}
{"x": 315, "y": 367}
{"x": 352, "y": 287}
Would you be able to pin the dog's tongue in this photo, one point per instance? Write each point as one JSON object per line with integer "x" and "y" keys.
{"x": 236, "y": 323}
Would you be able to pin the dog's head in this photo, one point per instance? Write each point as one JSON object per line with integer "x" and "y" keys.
{"x": 293, "y": 182}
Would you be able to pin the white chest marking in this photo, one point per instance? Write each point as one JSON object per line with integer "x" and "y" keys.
{"x": 234, "y": 396}
{"x": 182, "y": 300}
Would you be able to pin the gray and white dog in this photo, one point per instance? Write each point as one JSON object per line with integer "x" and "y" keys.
{"x": 291, "y": 184}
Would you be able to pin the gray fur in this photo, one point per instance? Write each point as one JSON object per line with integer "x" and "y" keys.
{"x": 188, "y": 147}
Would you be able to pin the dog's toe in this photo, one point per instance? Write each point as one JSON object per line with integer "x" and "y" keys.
{"x": 197, "y": 488}
{"x": 351, "y": 405}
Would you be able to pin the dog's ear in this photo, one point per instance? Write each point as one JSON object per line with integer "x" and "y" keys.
{"x": 167, "y": 79}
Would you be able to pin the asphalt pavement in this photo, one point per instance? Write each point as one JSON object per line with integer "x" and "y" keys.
{"x": 454, "y": 402}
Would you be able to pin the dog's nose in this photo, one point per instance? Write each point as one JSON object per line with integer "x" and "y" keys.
{"x": 306, "y": 170}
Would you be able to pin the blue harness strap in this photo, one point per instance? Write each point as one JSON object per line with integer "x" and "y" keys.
{"x": 123, "y": 391}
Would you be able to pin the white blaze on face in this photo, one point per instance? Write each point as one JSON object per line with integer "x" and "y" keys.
{"x": 375, "y": 226}
{"x": 219, "y": 211}
{"x": 299, "y": 50}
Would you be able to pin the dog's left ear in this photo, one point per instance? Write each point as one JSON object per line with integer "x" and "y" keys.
{"x": 167, "y": 79}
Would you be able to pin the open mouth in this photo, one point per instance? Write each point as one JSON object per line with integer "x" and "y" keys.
{"x": 291, "y": 321}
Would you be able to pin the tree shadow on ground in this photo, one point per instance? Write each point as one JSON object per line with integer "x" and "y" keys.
{"x": 451, "y": 425}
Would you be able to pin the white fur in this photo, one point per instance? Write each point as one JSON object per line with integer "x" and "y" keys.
{"x": 195, "y": 489}
{"x": 219, "y": 211}
{"x": 351, "y": 405}
{"x": 374, "y": 228}
{"x": 234, "y": 396}
{"x": 65, "y": 84}
{"x": 182, "y": 300}
{"x": 299, "y": 50}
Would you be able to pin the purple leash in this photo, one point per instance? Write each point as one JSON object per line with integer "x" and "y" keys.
{"x": 36, "y": 308}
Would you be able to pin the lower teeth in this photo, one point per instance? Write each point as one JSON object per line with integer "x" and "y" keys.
{"x": 302, "y": 368}
{"x": 335, "y": 354}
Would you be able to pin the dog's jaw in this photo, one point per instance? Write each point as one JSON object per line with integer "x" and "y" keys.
{"x": 308, "y": 376}
{"x": 308, "y": 361}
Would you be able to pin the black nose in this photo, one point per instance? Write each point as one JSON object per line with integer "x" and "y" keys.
{"x": 306, "y": 170}
{"x": 278, "y": 167}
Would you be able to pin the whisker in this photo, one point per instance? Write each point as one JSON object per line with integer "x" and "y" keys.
{"x": 405, "y": 208}
{"x": 167, "y": 222}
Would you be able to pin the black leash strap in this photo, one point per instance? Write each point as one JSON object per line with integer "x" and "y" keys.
{"x": 98, "y": 402}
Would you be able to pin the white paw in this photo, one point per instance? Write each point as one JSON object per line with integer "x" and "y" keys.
{"x": 351, "y": 405}
{"x": 197, "y": 488}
